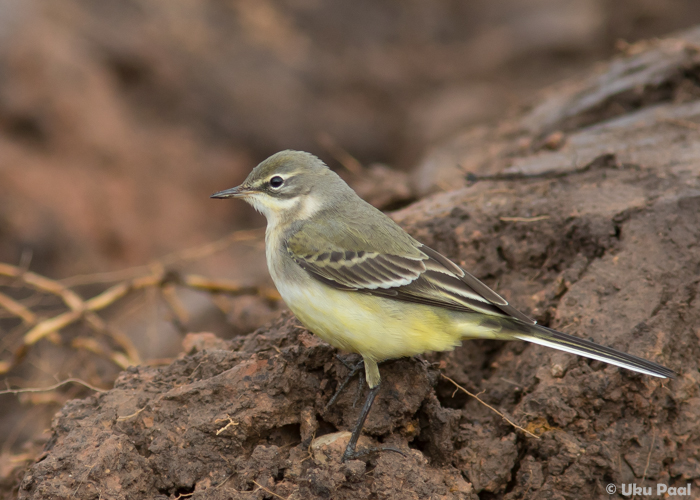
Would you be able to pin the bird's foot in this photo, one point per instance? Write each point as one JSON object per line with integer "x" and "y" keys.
{"x": 354, "y": 370}
{"x": 426, "y": 363}
{"x": 351, "y": 452}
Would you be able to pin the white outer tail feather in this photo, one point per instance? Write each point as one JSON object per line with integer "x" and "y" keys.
{"x": 585, "y": 354}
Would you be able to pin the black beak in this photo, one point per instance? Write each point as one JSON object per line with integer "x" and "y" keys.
{"x": 236, "y": 192}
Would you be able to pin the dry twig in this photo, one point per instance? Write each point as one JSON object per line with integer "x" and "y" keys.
{"x": 154, "y": 276}
{"x": 188, "y": 255}
{"x": 231, "y": 423}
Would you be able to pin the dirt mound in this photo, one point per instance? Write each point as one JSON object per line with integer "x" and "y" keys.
{"x": 593, "y": 231}
{"x": 237, "y": 418}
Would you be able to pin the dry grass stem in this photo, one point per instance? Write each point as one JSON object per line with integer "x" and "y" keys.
{"x": 174, "y": 303}
{"x": 155, "y": 276}
{"x": 682, "y": 123}
{"x": 524, "y": 219}
{"x": 187, "y": 255}
{"x": 127, "y": 417}
{"x": 231, "y": 423}
{"x": 267, "y": 491}
{"x": 227, "y": 287}
{"x": 459, "y": 387}
{"x": 70, "y": 298}
{"x": 17, "y": 309}
{"x": 651, "y": 450}
{"x": 53, "y": 387}
{"x": 349, "y": 162}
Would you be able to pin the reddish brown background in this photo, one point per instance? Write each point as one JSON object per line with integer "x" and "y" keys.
{"x": 118, "y": 119}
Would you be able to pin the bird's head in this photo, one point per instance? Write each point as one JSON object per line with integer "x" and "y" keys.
{"x": 289, "y": 185}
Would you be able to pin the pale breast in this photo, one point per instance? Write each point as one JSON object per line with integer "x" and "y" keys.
{"x": 374, "y": 327}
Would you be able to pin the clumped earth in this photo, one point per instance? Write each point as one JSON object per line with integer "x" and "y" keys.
{"x": 588, "y": 222}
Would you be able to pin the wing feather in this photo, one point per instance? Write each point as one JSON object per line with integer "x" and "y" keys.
{"x": 417, "y": 274}
{"x": 477, "y": 286}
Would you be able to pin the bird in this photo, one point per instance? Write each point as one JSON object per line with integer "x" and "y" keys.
{"x": 356, "y": 279}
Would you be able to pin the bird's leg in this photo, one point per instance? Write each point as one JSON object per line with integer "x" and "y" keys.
{"x": 353, "y": 371}
{"x": 358, "y": 393}
{"x": 350, "y": 452}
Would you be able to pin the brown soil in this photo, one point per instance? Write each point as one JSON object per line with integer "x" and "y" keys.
{"x": 583, "y": 212}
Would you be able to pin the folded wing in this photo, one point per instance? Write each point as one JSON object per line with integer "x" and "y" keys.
{"x": 419, "y": 275}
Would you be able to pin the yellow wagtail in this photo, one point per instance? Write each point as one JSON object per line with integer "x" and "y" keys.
{"x": 357, "y": 280}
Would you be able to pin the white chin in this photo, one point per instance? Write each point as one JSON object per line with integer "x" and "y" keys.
{"x": 274, "y": 208}
{"x": 257, "y": 205}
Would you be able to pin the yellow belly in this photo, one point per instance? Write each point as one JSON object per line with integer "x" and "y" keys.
{"x": 374, "y": 327}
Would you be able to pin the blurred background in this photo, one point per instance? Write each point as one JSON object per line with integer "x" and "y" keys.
{"x": 119, "y": 119}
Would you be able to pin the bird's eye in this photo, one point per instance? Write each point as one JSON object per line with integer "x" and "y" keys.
{"x": 276, "y": 182}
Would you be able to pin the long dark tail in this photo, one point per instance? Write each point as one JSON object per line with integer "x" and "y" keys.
{"x": 542, "y": 335}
